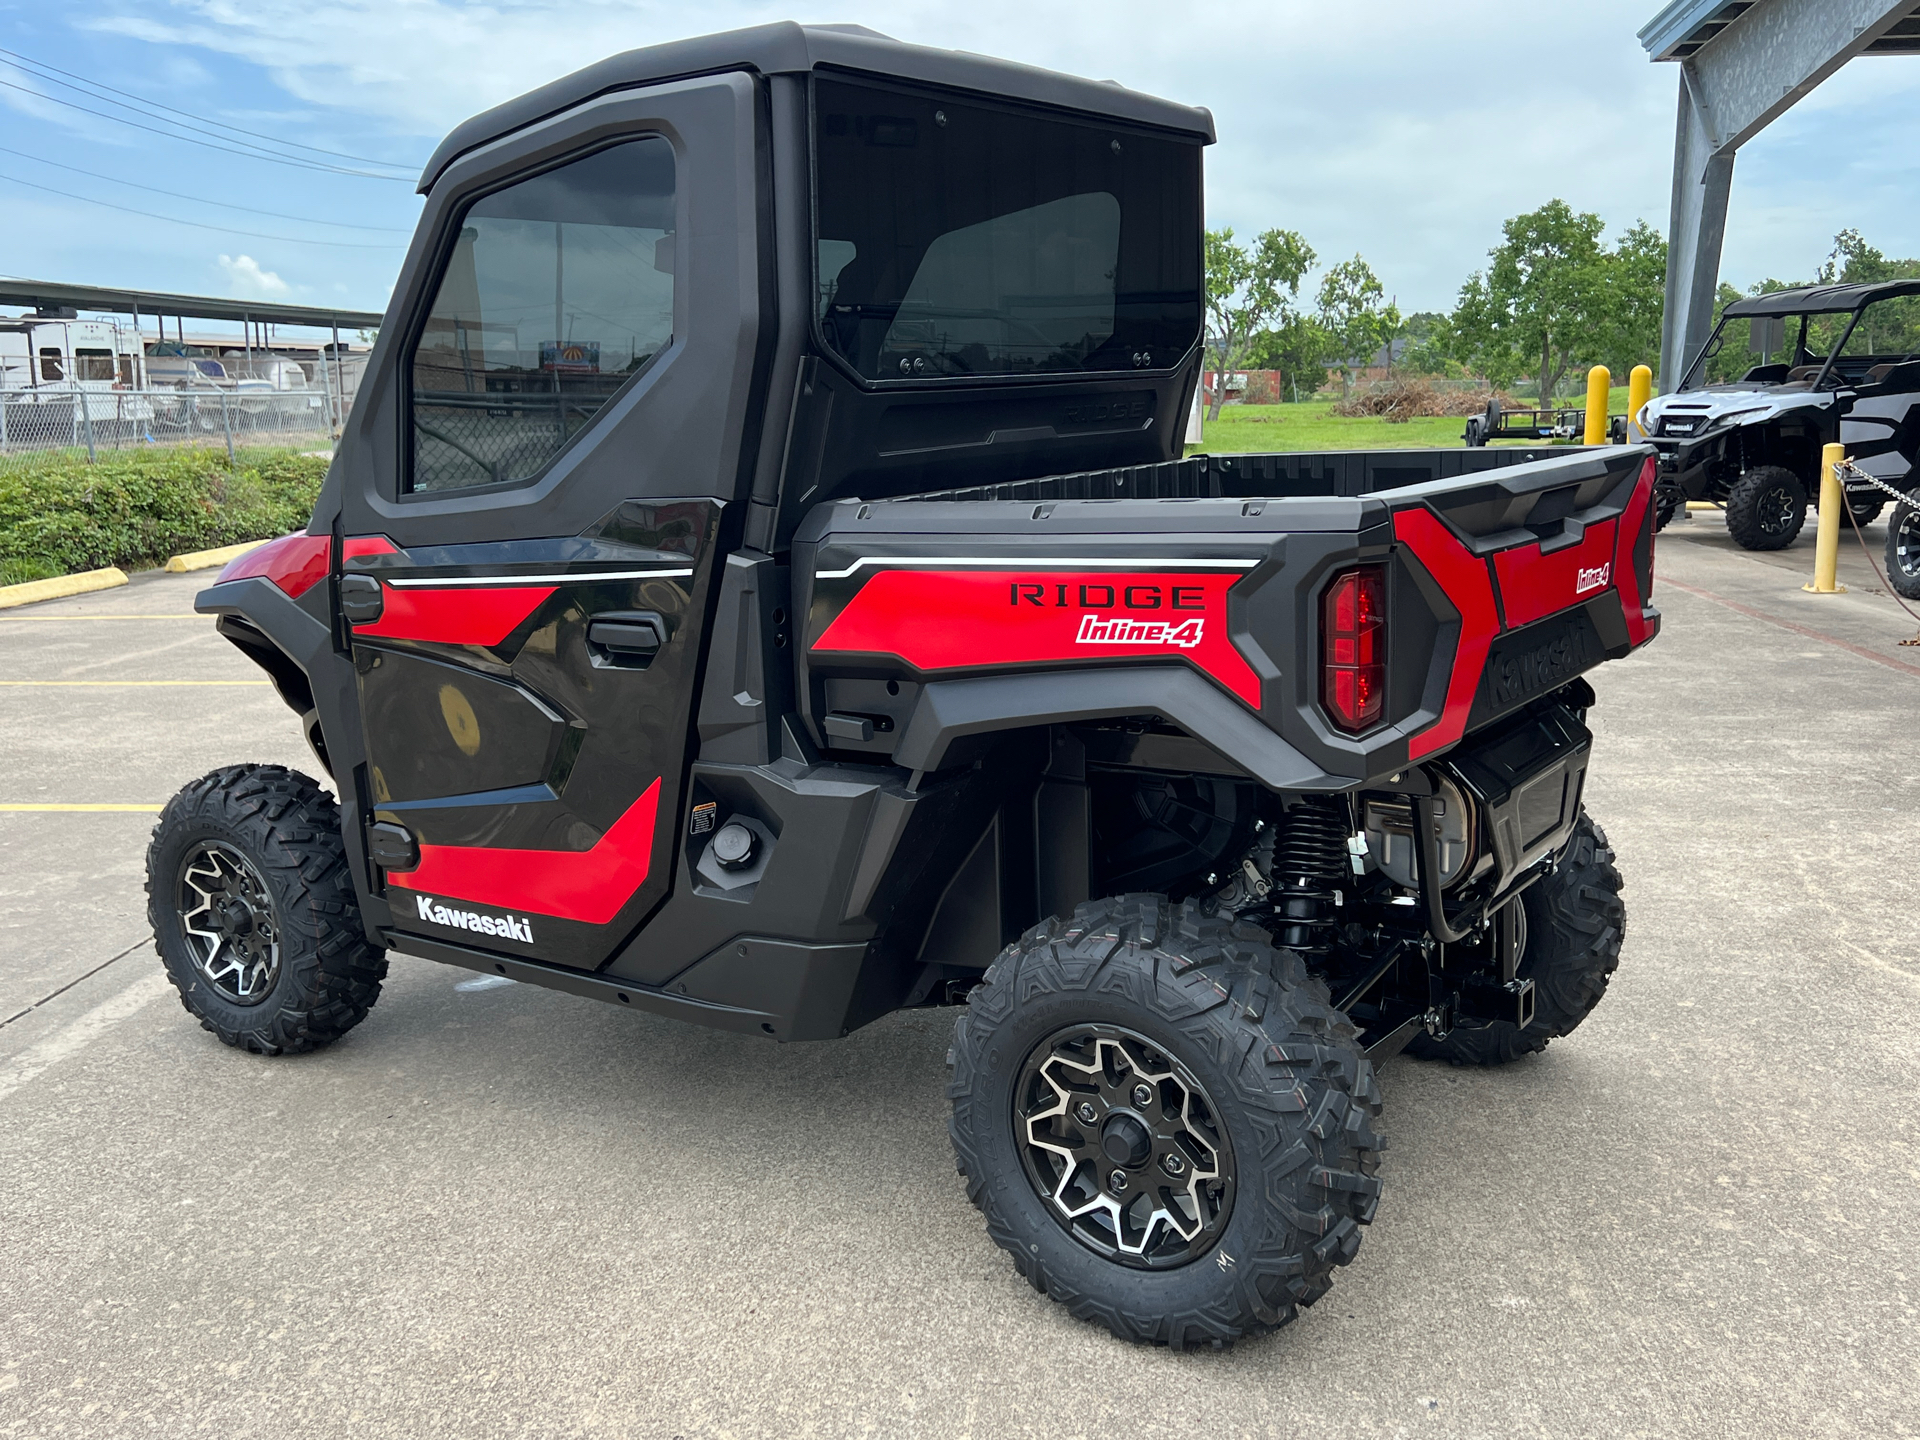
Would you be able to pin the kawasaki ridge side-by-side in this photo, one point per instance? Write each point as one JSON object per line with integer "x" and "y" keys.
{"x": 760, "y": 584}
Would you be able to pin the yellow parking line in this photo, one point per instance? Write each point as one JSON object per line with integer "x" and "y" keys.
{"x": 71, "y": 809}
{"x": 135, "y": 682}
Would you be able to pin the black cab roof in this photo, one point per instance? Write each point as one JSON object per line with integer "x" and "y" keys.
{"x": 1821, "y": 299}
{"x": 788, "y": 48}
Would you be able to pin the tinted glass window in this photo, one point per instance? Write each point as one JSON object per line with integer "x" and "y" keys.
{"x": 559, "y": 290}
{"x": 957, "y": 239}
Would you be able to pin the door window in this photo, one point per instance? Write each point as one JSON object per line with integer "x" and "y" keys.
{"x": 50, "y": 367}
{"x": 558, "y": 292}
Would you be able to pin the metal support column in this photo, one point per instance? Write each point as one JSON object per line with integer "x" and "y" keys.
{"x": 1736, "y": 77}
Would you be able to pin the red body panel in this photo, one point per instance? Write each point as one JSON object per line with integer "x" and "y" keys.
{"x": 367, "y": 545}
{"x": 1465, "y": 578}
{"x": 954, "y": 619}
{"x": 1535, "y": 585}
{"x": 455, "y": 614}
{"x": 296, "y": 563}
{"x": 585, "y": 885}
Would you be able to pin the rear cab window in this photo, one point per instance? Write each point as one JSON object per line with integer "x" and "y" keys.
{"x": 958, "y": 239}
{"x": 557, "y": 294}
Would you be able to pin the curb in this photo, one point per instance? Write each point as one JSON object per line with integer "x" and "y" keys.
{"x": 207, "y": 559}
{"x": 61, "y": 586}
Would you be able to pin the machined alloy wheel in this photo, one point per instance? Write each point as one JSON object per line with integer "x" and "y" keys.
{"x": 227, "y": 916}
{"x": 1121, "y": 1142}
{"x": 1903, "y": 547}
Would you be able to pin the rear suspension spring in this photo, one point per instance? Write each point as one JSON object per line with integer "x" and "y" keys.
{"x": 1309, "y": 862}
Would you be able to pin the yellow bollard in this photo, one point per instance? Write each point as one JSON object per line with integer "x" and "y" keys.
{"x": 1598, "y": 380}
{"x": 1826, "y": 546}
{"x": 1639, "y": 391}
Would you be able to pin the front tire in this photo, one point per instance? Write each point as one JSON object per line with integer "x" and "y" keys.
{"x": 254, "y": 912}
{"x": 1164, "y": 1121}
{"x": 1575, "y": 922}
{"x": 1766, "y": 508}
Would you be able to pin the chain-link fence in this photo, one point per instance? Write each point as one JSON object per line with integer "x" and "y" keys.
{"x": 35, "y": 423}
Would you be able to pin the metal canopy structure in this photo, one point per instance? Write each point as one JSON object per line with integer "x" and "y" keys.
{"x": 1743, "y": 63}
{"x": 46, "y": 294}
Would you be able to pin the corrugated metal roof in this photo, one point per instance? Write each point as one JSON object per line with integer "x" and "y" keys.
{"x": 114, "y": 301}
{"x": 1685, "y": 25}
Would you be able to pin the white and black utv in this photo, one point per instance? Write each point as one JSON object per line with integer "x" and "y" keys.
{"x": 1834, "y": 363}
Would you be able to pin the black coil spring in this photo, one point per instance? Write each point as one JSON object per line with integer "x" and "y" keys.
{"x": 1309, "y": 863}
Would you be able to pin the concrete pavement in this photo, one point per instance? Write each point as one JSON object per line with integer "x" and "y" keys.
{"x": 502, "y": 1211}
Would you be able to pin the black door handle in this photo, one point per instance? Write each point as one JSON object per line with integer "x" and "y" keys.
{"x": 634, "y": 633}
{"x": 361, "y": 599}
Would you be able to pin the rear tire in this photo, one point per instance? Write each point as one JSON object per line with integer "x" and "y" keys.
{"x": 1575, "y": 922}
{"x": 1766, "y": 508}
{"x": 254, "y": 912}
{"x": 1273, "y": 1095}
{"x": 1903, "y": 547}
{"x": 1865, "y": 509}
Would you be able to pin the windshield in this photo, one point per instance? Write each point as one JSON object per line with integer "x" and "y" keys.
{"x": 957, "y": 240}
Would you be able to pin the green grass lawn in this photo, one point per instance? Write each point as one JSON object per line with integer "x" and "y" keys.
{"x": 1312, "y": 425}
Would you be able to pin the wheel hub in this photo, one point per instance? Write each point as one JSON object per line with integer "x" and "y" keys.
{"x": 1124, "y": 1146}
{"x": 1125, "y": 1140}
{"x": 226, "y": 913}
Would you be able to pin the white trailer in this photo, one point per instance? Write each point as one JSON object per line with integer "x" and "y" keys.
{"x": 60, "y": 373}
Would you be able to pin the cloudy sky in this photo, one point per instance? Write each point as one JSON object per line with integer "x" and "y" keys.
{"x": 1401, "y": 131}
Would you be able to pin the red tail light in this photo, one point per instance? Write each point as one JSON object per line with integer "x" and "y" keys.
{"x": 1353, "y": 648}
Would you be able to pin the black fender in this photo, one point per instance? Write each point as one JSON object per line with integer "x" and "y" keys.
{"x": 297, "y": 650}
{"x": 951, "y": 713}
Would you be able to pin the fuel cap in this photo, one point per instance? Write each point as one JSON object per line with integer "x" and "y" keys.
{"x": 733, "y": 846}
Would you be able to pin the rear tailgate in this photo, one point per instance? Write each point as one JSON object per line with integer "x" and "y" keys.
{"x": 1548, "y": 568}
{"x": 1499, "y": 587}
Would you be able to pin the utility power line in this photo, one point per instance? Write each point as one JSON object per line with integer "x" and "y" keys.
{"x": 109, "y": 90}
{"x": 293, "y": 161}
{"x": 201, "y": 200}
{"x": 202, "y": 225}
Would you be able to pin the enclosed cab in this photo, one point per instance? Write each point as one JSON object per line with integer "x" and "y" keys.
{"x": 761, "y": 583}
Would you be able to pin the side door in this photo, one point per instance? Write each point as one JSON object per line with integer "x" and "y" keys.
{"x": 541, "y": 473}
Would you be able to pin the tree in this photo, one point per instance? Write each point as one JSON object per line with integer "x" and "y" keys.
{"x": 1633, "y": 299}
{"x": 1297, "y": 348}
{"x": 1430, "y": 345}
{"x": 1542, "y": 302}
{"x": 1248, "y": 291}
{"x": 1355, "y": 321}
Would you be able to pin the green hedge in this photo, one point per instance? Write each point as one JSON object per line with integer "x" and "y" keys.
{"x": 59, "y": 514}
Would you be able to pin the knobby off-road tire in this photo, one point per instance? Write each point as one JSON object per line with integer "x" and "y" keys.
{"x": 254, "y": 914}
{"x": 1575, "y": 922}
{"x": 1766, "y": 508}
{"x": 1903, "y": 547}
{"x": 1292, "y": 1100}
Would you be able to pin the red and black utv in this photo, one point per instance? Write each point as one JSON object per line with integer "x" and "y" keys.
{"x": 761, "y": 584}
